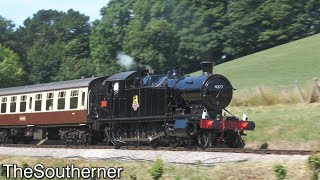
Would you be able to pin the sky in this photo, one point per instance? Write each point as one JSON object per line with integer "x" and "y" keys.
{"x": 19, "y": 10}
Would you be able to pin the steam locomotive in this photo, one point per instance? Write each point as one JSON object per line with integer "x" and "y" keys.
{"x": 127, "y": 108}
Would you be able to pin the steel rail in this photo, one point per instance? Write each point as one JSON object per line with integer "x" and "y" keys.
{"x": 196, "y": 149}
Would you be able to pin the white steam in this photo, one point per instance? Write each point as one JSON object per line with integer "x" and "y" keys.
{"x": 124, "y": 60}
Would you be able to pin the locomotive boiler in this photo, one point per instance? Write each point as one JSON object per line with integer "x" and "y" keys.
{"x": 174, "y": 109}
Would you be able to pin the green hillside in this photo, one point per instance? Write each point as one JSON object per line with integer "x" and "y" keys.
{"x": 277, "y": 67}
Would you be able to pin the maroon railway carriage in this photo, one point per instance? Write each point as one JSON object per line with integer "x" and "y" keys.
{"x": 48, "y": 110}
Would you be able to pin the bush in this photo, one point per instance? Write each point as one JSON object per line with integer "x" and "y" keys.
{"x": 24, "y": 165}
{"x": 156, "y": 170}
{"x": 3, "y": 170}
{"x": 314, "y": 165}
{"x": 133, "y": 177}
{"x": 280, "y": 171}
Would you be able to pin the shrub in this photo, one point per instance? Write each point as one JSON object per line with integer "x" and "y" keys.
{"x": 24, "y": 165}
{"x": 3, "y": 170}
{"x": 314, "y": 165}
{"x": 280, "y": 171}
{"x": 133, "y": 177}
{"x": 156, "y": 170}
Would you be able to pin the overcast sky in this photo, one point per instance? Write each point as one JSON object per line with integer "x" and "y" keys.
{"x": 19, "y": 10}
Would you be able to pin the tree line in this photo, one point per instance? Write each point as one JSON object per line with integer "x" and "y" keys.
{"x": 53, "y": 45}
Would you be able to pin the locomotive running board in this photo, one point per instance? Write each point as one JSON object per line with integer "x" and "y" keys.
{"x": 149, "y": 139}
{"x": 159, "y": 135}
{"x": 42, "y": 141}
{"x": 125, "y": 140}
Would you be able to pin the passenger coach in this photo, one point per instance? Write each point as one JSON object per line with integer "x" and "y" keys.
{"x": 48, "y": 110}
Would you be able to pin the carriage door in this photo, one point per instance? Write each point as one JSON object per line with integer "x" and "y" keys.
{"x": 30, "y": 103}
{"x": 106, "y": 100}
{"x": 82, "y": 100}
{"x": 118, "y": 99}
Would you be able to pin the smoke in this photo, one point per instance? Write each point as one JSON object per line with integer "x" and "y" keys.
{"x": 124, "y": 60}
{"x": 128, "y": 62}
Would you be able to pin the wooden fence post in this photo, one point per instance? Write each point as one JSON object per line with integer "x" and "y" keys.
{"x": 263, "y": 95}
{"x": 315, "y": 93}
{"x": 301, "y": 96}
{"x": 317, "y": 84}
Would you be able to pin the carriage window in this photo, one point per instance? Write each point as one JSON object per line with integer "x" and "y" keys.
{"x": 49, "y": 101}
{"x": 23, "y": 103}
{"x": 38, "y": 100}
{"x": 74, "y": 99}
{"x": 83, "y": 98}
{"x": 4, "y": 105}
{"x": 61, "y": 99}
{"x": 13, "y": 104}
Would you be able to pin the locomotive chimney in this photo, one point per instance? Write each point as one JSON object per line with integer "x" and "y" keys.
{"x": 207, "y": 67}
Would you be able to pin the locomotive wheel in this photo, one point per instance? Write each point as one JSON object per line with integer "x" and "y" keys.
{"x": 174, "y": 142}
{"x": 204, "y": 139}
{"x": 234, "y": 140}
{"x": 136, "y": 144}
{"x": 117, "y": 145}
{"x": 155, "y": 144}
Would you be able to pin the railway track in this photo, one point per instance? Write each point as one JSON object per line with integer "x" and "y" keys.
{"x": 227, "y": 150}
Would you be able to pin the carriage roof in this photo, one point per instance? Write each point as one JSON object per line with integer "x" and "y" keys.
{"x": 77, "y": 83}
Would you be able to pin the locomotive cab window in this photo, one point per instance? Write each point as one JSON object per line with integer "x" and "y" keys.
{"x": 38, "y": 101}
{"x": 49, "y": 102}
{"x": 13, "y": 104}
{"x": 74, "y": 99}
{"x": 117, "y": 88}
{"x": 61, "y": 100}
{"x": 23, "y": 103}
{"x": 3, "y": 105}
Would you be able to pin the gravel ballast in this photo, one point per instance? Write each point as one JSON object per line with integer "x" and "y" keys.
{"x": 179, "y": 157}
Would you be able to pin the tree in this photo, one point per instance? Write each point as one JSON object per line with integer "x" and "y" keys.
{"x": 159, "y": 34}
{"x": 312, "y": 9}
{"x": 155, "y": 46}
{"x": 6, "y": 31}
{"x": 56, "y": 45}
{"x": 43, "y": 62}
{"x": 283, "y": 21}
{"x": 242, "y": 28}
{"x": 8, "y": 37}
{"x": 10, "y": 68}
{"x": 76, "y": 63}
{"x": 107, "y": 36}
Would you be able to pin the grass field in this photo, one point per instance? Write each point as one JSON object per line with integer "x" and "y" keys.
{"x": 238, "y": 170}
{"x": 284, "y": 126}
{"x": 278, "y": 67}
